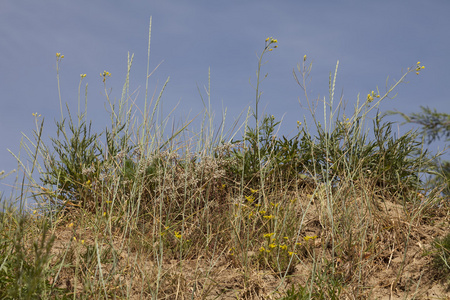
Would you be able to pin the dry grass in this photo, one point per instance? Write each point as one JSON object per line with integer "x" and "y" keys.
{"x": 331, "y": 216}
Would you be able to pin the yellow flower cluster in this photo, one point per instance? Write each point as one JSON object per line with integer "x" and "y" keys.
{"x": 105, "y": 74}
{"x": 307, "y": 238}
{"x": 283, "y": 247}
{"x": 59, "y": 56}
{"x": 371, "y": 96}
{"x": 82, "y": 75}
{"x": 268, "y": 235}
{"x": 250, "y": 198}
{"x": 269, "y": 43}
{"x": 419, "y": 67}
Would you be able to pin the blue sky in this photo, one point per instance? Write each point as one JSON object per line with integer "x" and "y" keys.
{"x": 371, "y": 40}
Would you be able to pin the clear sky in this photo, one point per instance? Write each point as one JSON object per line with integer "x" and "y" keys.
{"x": 371, "y": 40}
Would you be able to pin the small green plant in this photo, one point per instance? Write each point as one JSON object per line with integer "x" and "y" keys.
{"x": 321, "y": 285}
{"x": 24, "y": 274}
{"x": 76, "y": 161}
{"x": 441, "y": 258}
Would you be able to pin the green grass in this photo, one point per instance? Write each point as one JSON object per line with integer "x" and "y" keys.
{"x": 135, "y": 212}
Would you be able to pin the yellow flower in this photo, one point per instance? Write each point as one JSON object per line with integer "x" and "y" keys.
{"x": 82, "y": 242}
{"x": 177, "y": 234}
{"x": 75, "y": 239}
{"x": 262, "y": 212}
{"x": 283, "y": 247}
{"x": 272, "y": 246}
{"x": 104, "y": 214}
{"x": 268, "y": 217}
{"x": 270, "y": 49}
{"x": 274, "y": 41}
{"x": 82, "y": 75}
{"x": 304, "y": 57}
{"x": 268, "y": 235}
{"x": 105, "y": 74}
{"x": 262, "y": 249}
{"x": 291, "y": 253}
{"x": 253, "y": 191}
{"x": 418, "y": 62}
{"x": 250, "y": 198}
{"x": 307, "y": 238}
{"x": 70, "y": 225}
{"x": 267, "y": 39}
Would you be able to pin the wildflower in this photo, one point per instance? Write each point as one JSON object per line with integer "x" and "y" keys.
{"x": 34, "y": 212}
{"x": 298, "y": 244}
{"x": 283, "y": 247}
{"x": 299, "y": 123}
{"x": 419, "y": 68}
{"x": 177, "y": 234}
{"x": 75, "y": 239}
{"x": 104, "y": 214}
{"x": 291, "y": 253}
{"x": 36, "y": 115}
{"x": 82, "y": 75}
{"x": 262, "y": 249}
{"x": 105, "y": 74}
{"x": 274, "y": 41}
{"x": 268, "y": 235}
{"x": 285, "y": 237}
{"x": 250, "y": 198}
{"x": 304, "y": 57}
{"x": 272, "y": 245}
{"x": 307, "y": 238}
{"x": 253, "y": 191}
{"x": 268, "y": 217}
{"x": 262, "y": 212}
{"x": 267, "y": 39}
{"x": 70, "y": 225}
{"x": 371, "y": 96}
{"x": 250, "y": 215}
{"x": 82, "y": 242}
{"x": 59, "y": 55}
